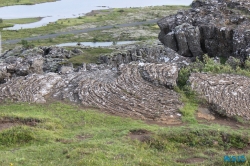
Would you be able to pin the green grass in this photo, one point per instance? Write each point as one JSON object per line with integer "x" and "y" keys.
{"x": 22, "y": 20}
{"x": 11, "y": 22}
{"x": 22, "y": 2}
{"x": 90, "y": 55}
{"x": 68, "y": 135}
{"x": 191, "y": 103}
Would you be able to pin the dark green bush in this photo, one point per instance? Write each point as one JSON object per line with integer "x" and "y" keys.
{"x": 16, "y": 135}
{"x": 200, "y": 138}
{"x": 26, "y": 44}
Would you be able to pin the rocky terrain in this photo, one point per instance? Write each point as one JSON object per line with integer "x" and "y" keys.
{"x": 215, "y": 27}
{"x": 120, "y": 86}
{"x": 219, "y": 28}
{"x": 119, "y": 94}
{"x": 138, "y": 81}
{"x": 146, "y": 53}
{"x": 227, "y": 94}
{"x": 21, "y": 61}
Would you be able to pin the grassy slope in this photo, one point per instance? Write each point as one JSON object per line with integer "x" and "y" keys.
{"x": 22, "y": 2}
{"x": 68, "y": 135}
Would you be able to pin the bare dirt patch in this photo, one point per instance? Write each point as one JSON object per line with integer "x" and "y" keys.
{"x": 204, "y": 113}
{"x": 172, "y": 121}
{"x": 191, "y": 160}
{"x": 83, "y": 137}
{"x": 140, "y": 135}
{"x": 236, "y": 151}
{"x": 206, "y": 116}
{"x": 8, "y": 123}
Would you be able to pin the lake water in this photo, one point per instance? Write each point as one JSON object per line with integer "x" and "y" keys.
{"x": 53, "y": 11}
{"x": 96, "y": 44}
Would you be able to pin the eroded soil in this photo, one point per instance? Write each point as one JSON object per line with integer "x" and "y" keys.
{"x": 8, "y": 123}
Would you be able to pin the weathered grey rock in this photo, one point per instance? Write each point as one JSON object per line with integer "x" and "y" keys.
{"x": 170, "y": 41}
{"x": 185, "y": 39}
{"x": 21, "y": 61}
{"x": 182, "y": 41}
{"x": 4, "y": 75}
{"x": 226, "y": 94}
{"x": 146, "y": 54}
{"x": 66, "y": 69}
{"x": 125, "y": 92}
{"x": 214, "y": 28}
{"x": 167, "y": 78}
{"x": 193, "y": 39}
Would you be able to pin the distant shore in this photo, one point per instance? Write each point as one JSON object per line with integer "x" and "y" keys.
{"x": 22, "y": 2}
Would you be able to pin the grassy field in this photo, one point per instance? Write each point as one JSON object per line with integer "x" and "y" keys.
{"x": 22, "y": 2}
{"x": 95, "y": 19}
{"x": 66, "y": 135}
{"x": 138, "y": 33}
{"x": 90, "y": 55}
{"x": 10, "y": 22}
{"x": 22, "y": 20}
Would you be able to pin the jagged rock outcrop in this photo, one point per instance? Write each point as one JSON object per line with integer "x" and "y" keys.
{"x": 147, "y": 54}
{"x": 21, "y": 61}
{"x": 226, "y": 94}
{"x": 136, "y": 89}
{"x": 216, "y": 27}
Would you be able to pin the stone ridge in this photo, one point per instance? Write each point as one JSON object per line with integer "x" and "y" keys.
{"x": 226, "y": 94}
{"x": 146, "y": 54}
{"x": 216, "y": 27}
{"x": 136, "y": 90}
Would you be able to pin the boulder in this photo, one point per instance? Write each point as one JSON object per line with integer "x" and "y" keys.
{"x": 227, "y": 94}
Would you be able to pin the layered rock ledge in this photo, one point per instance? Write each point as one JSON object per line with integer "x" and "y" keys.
{"x": 227, "y": 94}
{"x": 147, "y": 54}
{"x": 141, "y": 90}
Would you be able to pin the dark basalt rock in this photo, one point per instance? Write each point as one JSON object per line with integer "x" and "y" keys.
{"x": 216, "y": 27}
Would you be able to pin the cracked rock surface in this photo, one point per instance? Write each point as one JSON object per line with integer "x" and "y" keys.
{"x": 146, "y": 54}
{"x": 216, "y": 27}
{"x": 227, "y": 94}
{"x": 22, "y": 62}
{"x": 136, "y": 89}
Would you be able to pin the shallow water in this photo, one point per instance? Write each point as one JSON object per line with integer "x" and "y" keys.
{"x": 96, "y": 44}
{"x": 53, "y": 11}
